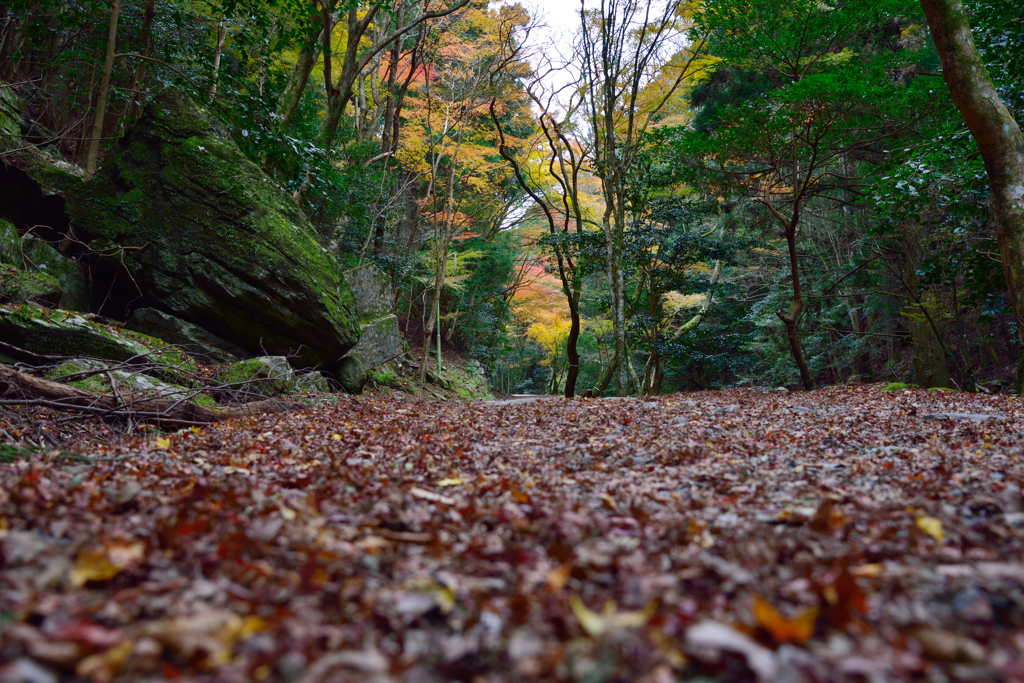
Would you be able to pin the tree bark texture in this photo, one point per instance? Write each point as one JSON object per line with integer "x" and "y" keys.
{"x": 304, "y": 64}
{"x": 222, "y": 33}
{"x": 999, "y": 139}
{"x": 101, "y": 97}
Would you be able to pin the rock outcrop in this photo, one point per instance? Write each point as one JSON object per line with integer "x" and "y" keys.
{"x": 380, "y": 338}
{"x": 193, "y": 228}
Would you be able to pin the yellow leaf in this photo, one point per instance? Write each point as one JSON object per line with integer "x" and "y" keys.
{"x": 868, "y": 571}
{"x": 162, "y": 443}
{"x": 932, "y": 527}
{"x": 595, "y": 624}
{"x": 453, "y": 481}
{"x": 592, "y": 622}
{"x": 335, "y": 437}
{"x": 93, "y": 565}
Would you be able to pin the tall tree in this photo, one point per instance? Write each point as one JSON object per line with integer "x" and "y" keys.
{"x": 623, "y": 45}
{"x": 999, "y": 140}
{"x": 101, "y": 96}
{"x": 823, "y": 108}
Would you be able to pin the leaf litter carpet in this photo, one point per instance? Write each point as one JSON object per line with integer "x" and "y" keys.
{"x": 742, "y": 535}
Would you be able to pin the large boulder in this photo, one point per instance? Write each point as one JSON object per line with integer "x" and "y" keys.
{"x": 206, "y": 236}
{"x": 380, "y": 338}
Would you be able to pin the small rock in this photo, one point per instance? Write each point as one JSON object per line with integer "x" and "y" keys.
{"x": 127, "y": 493}
{"x": 973, "y": 417}
{"x": 948, "y": 646}
{"x": 721, "y": 410}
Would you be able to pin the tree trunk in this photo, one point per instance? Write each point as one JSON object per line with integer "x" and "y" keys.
{"x": 101, "y": 97}
{"x": 304, "y": 63}
{"x": 789, "y": 320}
{"x": 571, "y": 351}
{"x": 17, "y": 387}
{"x": 222, "y": 33}
{"x": 135, "y": 108}
{"x": 999, "y": 139}
{"x": 861, "y": 325}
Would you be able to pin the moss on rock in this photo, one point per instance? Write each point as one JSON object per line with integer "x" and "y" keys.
{"x": 64, "y": 333}
{"x": 19, "y": 287}
{"x": 266, "y": 376}
{"x": 213, "y": 240}
{"x": 135, "y": 385}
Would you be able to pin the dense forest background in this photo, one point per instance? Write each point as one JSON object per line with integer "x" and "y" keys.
{"x": 674, "y": 196}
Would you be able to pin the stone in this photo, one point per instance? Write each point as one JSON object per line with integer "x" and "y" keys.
{"x": 129, "y": 383}
{"x": 372, "y": 289}
{"x": 203, "y": 233}
{"x": 312, "y": 381}
{"x": 380, "y": 338}
{"x": 350, "y": 375}
{"x": 32, "y": 333}
{"x": 192, "y": 338}
{"x": 267, "y": 376}
{"x": 35, "y": 255}
{"x": 20, "y": 287}
{"x": 10, "y": 119}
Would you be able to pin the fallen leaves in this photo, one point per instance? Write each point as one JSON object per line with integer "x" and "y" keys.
{"x": 731, "y": 536}
{"x": 931, "y": 526}
{"x": 797, "y": 630}
{"x": 104, "y": 562}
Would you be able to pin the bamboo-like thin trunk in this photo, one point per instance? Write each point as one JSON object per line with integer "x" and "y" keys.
{"x": 101, "y": 98}
{"x": 222, "y": 33}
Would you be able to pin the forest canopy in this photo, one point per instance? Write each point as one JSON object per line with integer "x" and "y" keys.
{"x": 662, "y": 196}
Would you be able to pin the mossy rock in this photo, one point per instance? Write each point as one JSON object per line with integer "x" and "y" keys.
{"x": 68, "y": 334}
{"x": 943, "y": 389}
{"x": 19, "y": 287}
{"x": 10, "y": 244}
{"x": 898, "y": 386}
{"x": 192, "y": 338}
{"x": 350, "y": 375}
{"x": 34, "y": 255}
{"x": 137, "y": 384}
{"x": 312, "y": 381}
{"x": 10, "y": 119}
{"x": 212, "y": 240}
{"x": 267, "y": 376}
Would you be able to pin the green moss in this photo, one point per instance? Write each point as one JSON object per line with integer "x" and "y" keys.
{"x": 269, "y": 376}
{"x": 898, "y": 386}
{"x": 242, "y": 260}
{"x": 18, "y": 287}
{"x": 945, "y": 389}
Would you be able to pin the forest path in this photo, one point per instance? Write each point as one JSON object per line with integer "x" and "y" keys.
{"x": 810, "y": 536}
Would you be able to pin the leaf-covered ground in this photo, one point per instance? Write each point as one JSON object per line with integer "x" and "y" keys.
{"x": 843, "y": 534}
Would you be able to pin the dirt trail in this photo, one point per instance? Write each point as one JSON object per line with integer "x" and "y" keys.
{"x": 837, "y": 535}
